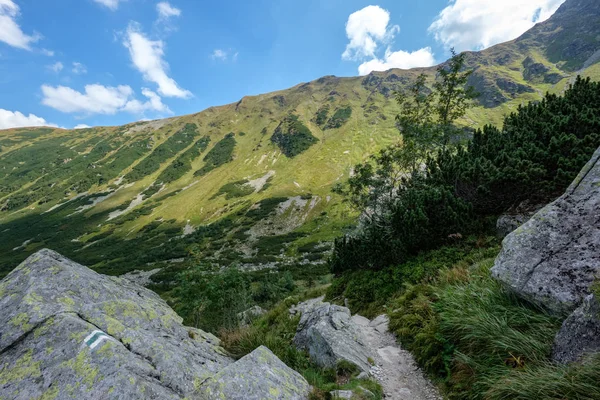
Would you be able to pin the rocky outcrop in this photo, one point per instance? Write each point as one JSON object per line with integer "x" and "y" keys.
{"x": 67, "y": 332}
{"x": 554, "y": 258}
{"x": 580, "y": 333}
{"x": 329, "y": 335}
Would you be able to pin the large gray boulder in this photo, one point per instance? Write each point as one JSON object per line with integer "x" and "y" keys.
{"x": 580, "y": 333}
{"x": 328, "y": 333}
{"x": 554, "y": 257}
{"x": 258, "y": 376}
{"x": 67, "y": 332}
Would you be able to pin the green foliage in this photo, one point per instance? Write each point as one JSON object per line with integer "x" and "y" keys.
{"x": 183, "y": 163}
{"x": 421, "y": 218}
{"x": 322, "y": 115}
{"x": 220, "y": 154}
{"x": 339, "y": 118}
{"x": 211, "y": 300}
{"x": 235, "y": 189}
{"x": 368, "y": 291}
{"x": 292, "y": 136}
{"x": 482, "y": 342}
{"x": 453, "y": 92}
{"x": 536, "y": 155}
{"x": 171, "y": 147}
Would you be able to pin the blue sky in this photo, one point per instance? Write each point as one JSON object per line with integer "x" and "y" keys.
{"x": 108, "y": 62}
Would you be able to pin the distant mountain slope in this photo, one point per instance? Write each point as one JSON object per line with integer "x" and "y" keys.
{"x": 248, "y": 182}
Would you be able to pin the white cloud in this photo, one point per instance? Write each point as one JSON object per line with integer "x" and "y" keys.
{"x": 478, "y": 24}
{"x": 15, "y": 119}
{"x": 56, "y": 67}
{"x": 219, "y": 54}
{"x": 81, "y": 126}
{"x": 367, "y": 28}
{"x": 10, "y": 31}
{"x": 147, "y": 57}
{"x": 46, "y": 52}
{"x": 99, "y": 99}
{"x": 166, "y": 10}
{"x": 79, "y": 68}
{"x": 111, "y": 4}
{"x": 224, "y": 55}
{"x": 399, "y": 59}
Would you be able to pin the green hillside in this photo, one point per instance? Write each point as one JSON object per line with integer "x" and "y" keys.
{"x": 247, "y": 183}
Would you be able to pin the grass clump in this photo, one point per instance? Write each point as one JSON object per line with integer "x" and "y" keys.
{"x": 480, "y": 341}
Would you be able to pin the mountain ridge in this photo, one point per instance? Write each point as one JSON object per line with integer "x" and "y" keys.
{"x": 253, "y": 205}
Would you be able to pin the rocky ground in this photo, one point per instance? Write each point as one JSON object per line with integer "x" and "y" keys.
{"x": 394, "y": 367}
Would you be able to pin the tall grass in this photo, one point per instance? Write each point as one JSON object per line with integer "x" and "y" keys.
{"x": 480, "y": 341}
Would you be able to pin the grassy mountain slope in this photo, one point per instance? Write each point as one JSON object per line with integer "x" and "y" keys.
{"x": 218, "y": 187}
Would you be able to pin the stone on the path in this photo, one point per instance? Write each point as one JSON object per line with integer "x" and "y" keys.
{"x": 67, "y": 332}
{"x": 380, "y": 323}
{"x": 329, "y": 335}
{"x": 580, "y": 333}
{"x": 341, "y": 394}
{"x": 259, "y": 375}
{"x": 554, "y": 258}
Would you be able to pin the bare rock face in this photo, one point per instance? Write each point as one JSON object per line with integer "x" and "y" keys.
{"x": 554, "y": 258}
{"x": 580, "y": 333}
{"x": 330, "y": 335}
{"x": 67, "y": 332}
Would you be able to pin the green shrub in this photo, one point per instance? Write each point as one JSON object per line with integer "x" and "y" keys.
{"x": 173, "y": 145}
{"x": 183, "y": 163}
{"x": 292, "y": 136}
{"x": 535, "y": 156}
{"x": 339, "y": 118}
{"x": 235, "y": 189}
{"x": 220, "y": 154}
{"x": 322, "y": 115}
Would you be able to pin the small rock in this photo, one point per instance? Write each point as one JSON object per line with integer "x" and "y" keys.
{"x": 363, "y": 375}
{"x": 342, "y": 394}
{"x": 380, "y": 324}
{"x": 246, "y": 317}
